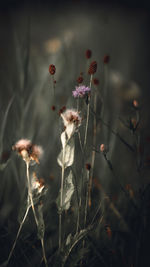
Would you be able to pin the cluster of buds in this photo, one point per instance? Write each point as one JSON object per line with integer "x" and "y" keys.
{"x": 28, "y": 151}
{"x": 52, "y": 69}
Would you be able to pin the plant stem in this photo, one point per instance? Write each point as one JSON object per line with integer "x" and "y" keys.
{"x": 61, "y": 201}
{"x": 30, "y": 193}
{"x": 93, "y": 152}
{"x": 19, "y": 230}
{"x": 87, "y": 116}
{"x": 43, "y": 250}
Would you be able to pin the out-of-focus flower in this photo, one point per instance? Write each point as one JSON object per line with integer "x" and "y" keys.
{"x": 88, "y": 166}
{"x": 106, "y": 59}
{"x": 81, "y": 91}
{"x": 92, "y": 67}
{"x": 52, "y": 69}
{"x": 53, "y": 108}
{"x": 62, "y": 110}
{"x": 95, "y": 81}
{"x": 28, "y": 151}
{"x": 102, "y": 148}
{"x": 135, "y": 104}
{"x": 80, "y": 79}
{"x": 88, "y": 53}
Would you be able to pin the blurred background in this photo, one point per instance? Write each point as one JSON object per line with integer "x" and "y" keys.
{"x": 35, "y": 34}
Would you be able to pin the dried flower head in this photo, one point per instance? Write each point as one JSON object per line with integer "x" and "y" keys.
{"x": 102, "y": 148}
{"x": 88, "y": 53}
{"x": 106, "y": 59}
{"x": 81, "y": 91}
{"x": 28, "y": 151}
{"x": 92, "y": 67}
{"x": 71, "y": 116}
{"x": 52, "y": 69}
{"x": 80, "y": 79}
{"x": 37, "y": 184}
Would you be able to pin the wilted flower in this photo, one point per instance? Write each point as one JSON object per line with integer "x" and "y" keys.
{"x": 28, "y": 151}
{"x": 71, "y": 120}
{"x": 81, "y": 91}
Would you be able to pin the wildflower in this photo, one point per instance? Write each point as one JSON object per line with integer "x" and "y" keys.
{"x": 71, "y": 120}
{"x": 81, "y": 91}
{"x": 92, "y": 68}
{"x": 28, "y": 151}
{"x": 88, "y": 53}
{"x": 52, "y": 69}
{"x": 80, "y": 79}
{"x": 106, "y": 59}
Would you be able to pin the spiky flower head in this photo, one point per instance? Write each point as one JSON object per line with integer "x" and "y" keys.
{"x": 28, "y": 151}
{"x": 81, "y": 91}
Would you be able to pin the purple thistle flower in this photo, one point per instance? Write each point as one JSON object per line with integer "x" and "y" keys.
{"x": 81, "y": 91}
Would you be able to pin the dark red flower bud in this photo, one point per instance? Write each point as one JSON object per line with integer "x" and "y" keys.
{"x": 106, "y": 59}
{"x": 88, "y": 166}
{"x": 52, "y": 69}
{"x": 93, "y": 67}
{"x": 80, "y": 79}
{"x": 53, "y": 108}
{"x": 88, "y": 53}
{"x": 95, "y": 81}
